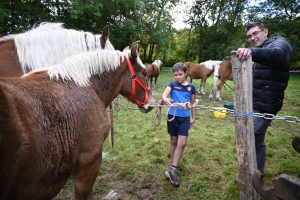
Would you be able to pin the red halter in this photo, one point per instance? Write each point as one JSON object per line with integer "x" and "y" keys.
{"x": 134, "y": 79}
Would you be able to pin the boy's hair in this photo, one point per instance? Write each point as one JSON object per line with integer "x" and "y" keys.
{"x": 179, "y": 66}
{"x": 260, "y": 25}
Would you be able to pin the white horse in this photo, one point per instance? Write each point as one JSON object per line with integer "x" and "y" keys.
{"x": 223, "y": 72}
{"x": 211, "y": 65}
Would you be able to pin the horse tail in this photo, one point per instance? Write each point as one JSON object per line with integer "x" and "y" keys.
{"x": 216, "y": 79}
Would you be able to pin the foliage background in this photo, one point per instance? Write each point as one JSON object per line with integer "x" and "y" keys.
{"x": 215, "y": 27}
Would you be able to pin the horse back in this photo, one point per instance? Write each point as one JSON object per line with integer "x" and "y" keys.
{"x": 197, "y": 71}
{"x": 44, "y": 128}
{"x": 9, "y": 62}
{"x": 225, "y": 69}
{"x": 152, "y": 70}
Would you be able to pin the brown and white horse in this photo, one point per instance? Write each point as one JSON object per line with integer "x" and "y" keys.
{"x": 223, "y": 72}
{"x": 44, "y": 46}
{"x": 201, "y": 71}
{"x": 53, "y": 122}
{"x": 153, "y": 71}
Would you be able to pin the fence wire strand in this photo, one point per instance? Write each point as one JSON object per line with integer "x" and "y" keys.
{"x": 187, "y": 105}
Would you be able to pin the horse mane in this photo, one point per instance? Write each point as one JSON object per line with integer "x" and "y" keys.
{"x": 50, "y": 43}
{"x": 157, "y": 62}
{"x": 5, "y": 38}
{"x": 81, "y": 67}
{"x": 210, "y": 64}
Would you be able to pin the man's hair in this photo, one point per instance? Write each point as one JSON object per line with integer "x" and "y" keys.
{"x": 179, "y": 66}
{"x": 260, "y": 25}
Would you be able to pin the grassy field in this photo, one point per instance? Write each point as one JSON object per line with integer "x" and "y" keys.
{"x": 134, "y": 168}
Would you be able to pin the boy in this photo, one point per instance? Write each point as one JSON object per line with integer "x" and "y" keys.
{"x": 180, "y": 91}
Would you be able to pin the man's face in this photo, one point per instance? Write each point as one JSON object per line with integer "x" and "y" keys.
{"x": 256, "y": 36}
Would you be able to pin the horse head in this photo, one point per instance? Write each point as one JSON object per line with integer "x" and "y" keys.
{"x": 139, "y": 90}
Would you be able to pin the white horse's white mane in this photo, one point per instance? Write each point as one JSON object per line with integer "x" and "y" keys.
{"x": 158, "y": 63}
{"x": 50, "y": 43}
{"x": 210, "y": 64}
{"x": 81, "y": 67}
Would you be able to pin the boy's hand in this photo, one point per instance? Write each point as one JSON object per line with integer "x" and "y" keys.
{"x": 167, "y": 101}
{"x": 192, "y": 123}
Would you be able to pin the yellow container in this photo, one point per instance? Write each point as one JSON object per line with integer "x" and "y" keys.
{"x": 220, "y": 112}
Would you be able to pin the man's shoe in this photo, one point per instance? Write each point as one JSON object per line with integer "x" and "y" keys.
{"x": 172, "y": 175}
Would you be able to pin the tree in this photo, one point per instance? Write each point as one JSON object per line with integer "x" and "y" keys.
{"x": 282, "y": 17}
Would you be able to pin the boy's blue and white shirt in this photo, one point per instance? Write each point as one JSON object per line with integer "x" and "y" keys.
{"x": 181, "y": 94}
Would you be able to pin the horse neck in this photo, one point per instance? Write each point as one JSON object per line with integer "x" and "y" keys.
{"x": 109, "y": 84}
{"x": 9, "y": 62}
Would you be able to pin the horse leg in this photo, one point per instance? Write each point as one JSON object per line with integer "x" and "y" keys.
{"x": 155, "y": 80}
{"x": 199, "y": 88}
{"x": 210, "y": 97}
{"x": 203, "y": 82}
{"x": 218, "y": 97}
{"x": 85, "y": 178}
{"x": 218, "y": 93}
{"x": 90, "y": 156}
{"x": 151, "y": 83}
{"x": 191, "y": 81}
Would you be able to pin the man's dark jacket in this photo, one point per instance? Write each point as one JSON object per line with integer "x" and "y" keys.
{"x": 270, "y": 74}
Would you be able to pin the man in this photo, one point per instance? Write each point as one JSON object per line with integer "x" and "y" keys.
{"x": 271, "y": 57}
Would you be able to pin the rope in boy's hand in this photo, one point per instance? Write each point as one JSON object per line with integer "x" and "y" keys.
{"x": 160, "y": 104}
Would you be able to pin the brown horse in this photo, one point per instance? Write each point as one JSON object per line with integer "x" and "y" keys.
{"x": 44, "y": 46}
{"x": 201, "y": 71}
{"x": 53, "y": 122}
{"x": 153, "y": 71}
{"x": 223, "y": 72}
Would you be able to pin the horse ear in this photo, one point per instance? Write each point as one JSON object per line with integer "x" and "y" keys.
{"x": 104, "y": 37}
{"x": 135, "y": 49}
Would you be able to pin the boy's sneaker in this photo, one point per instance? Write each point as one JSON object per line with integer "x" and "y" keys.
{"x": 172, "y": 175}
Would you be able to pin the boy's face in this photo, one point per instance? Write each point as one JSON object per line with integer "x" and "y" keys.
{"x": 179, "y": 76}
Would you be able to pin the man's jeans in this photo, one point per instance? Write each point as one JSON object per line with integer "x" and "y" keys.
{"x": 260, "y": 127}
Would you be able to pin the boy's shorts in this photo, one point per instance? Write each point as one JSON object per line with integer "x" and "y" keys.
{"x": 178, "y": 126}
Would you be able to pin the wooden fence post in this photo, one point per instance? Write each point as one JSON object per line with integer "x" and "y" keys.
{"x": 244, "y": 128}
{"x": 111, "y": 131}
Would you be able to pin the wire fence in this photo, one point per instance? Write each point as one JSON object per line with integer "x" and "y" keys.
{"x": 159, "y": 104}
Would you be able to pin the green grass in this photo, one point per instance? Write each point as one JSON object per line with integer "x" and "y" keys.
{"x": 135, "y": 166}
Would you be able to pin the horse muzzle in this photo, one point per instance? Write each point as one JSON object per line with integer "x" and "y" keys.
{"x": 148, "y": 107}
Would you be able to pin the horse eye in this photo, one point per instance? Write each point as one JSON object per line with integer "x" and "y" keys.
{"x": 144, "y": 73}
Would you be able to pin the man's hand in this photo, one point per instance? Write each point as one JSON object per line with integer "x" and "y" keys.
{"x": 242, "y": 53}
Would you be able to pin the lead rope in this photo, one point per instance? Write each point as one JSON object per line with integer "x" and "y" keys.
{"x": 160, "y": 104}
{"x": 186, "y": 106}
